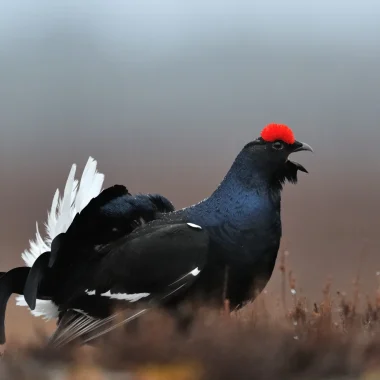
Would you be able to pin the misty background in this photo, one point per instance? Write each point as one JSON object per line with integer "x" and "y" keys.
{"x": 164, "y": 94}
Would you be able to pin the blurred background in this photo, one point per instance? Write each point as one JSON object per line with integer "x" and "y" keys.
{"x": 164, "y": 94}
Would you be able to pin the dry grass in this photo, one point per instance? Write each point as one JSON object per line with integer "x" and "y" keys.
{"x": 285, "y": 337}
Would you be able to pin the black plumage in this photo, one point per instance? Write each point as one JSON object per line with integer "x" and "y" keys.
{"x": 122, "y": 246}
{"x": 12, "y": 281}
{"x": 113, "y": 214}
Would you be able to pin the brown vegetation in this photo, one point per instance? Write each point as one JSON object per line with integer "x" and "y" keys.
{"x": 336, "y": 338}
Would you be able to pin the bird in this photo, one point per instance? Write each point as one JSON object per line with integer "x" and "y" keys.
{"x": 114, "y": 251}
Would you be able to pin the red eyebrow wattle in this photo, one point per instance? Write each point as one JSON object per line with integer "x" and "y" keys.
{"x": 273, "y": 132}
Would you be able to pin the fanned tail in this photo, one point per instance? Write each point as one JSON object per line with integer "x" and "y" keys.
{"x": 76, "y": 196}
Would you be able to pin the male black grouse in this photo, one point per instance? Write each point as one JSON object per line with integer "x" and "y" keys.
{"x": 136, "y": 250}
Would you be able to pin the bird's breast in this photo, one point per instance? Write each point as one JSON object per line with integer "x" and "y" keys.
{"x": 244, "y": 227}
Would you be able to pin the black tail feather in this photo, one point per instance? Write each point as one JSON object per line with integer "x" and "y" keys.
{"x": 36, "y": 274}
{"x": 12, "y": 281}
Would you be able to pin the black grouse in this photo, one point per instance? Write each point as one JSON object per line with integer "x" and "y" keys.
{"x": 136, "y": 251}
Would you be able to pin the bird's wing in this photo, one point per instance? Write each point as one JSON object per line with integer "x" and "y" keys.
{"x": 114, "y": 213}
{"x": 154, "y": 266}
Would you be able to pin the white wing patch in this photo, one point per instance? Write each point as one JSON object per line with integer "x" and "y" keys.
{"x": 194, "y": 273}
{"x": 126, "y": 297}
{"x": 98, "y": 327}
{"x": 76, "y": 197}
{"x": 194, "y": 226}
{"x": 121, "y": 296}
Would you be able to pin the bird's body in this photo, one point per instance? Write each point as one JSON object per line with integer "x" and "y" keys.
{"x": 243, "y": 223}
{"x": 131, "y": 250}
{"x": 244, "y": 226}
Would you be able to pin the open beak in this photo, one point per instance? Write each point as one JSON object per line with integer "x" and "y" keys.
{"x": 299, "y": 147}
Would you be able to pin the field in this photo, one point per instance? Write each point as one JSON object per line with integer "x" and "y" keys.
{"x": 280, "y": 336}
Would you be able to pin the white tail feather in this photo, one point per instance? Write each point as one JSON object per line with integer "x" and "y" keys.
{"x": 52, "y": 217}
{"x": 37, "y": 247}
{"x": 65, "y": 204}
{"x": 63, "y": 210}
{"x": 90, "y": 185}
{"x": 76, "y": 197}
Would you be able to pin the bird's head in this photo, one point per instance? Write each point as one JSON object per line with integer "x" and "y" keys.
{"x": 270, "y": 153}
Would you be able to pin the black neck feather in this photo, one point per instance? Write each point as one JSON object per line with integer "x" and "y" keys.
{"x": 287, "y": 172}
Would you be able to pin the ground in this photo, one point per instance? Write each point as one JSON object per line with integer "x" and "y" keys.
{"x": 276, "y": 337}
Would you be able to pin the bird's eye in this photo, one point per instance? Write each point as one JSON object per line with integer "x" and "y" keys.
{"x": 278, "y": 145}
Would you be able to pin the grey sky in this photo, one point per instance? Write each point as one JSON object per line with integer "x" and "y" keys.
{"x": 170, "y": 23}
